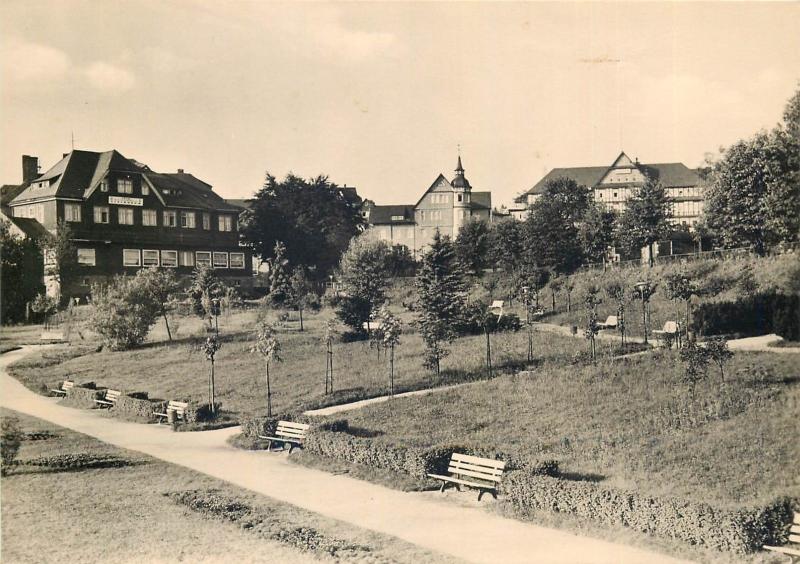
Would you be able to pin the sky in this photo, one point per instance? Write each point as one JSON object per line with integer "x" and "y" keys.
{"x": 382, "y": 95}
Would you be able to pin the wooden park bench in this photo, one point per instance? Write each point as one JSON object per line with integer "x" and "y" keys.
{"x": 109, "y": 398}
{"x": 66, "y": 386}
{"x": 288, "y": 433}
{"x": 670, "y": 328}
{"x": 609, "y": 323}
{"x": 178, "y": 407}
{"x": 483, "y": 474}
{"x": 791, "y": 550}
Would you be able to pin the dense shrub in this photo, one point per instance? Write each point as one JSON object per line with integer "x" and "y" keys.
{"x": 137, "y": 405}
{"x": 82, "y": 396}
{"x": 197, "y": 413}
{"x": 10, "y": 442}
{"x": 123, "y": 312}
{"x": 740, "y": 530}
{"x": 758, "y": 314}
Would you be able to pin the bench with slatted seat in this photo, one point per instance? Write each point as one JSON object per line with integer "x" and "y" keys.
{"x": 497, "y": 308}
{"x": 483, "y": 474}
{"x": 178, "y": 407}
{"x": 288, "y": 433}
{"x": 792, "y": 550}
{"x": 609, "y": 323}
{"x": 66, "y": 386}
{"x": 109, "y": 399}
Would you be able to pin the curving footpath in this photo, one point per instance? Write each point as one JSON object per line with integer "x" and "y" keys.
{"x": 424, "y": 519}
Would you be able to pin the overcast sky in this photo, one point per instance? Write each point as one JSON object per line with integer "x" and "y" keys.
{"x": 379, "y": 96}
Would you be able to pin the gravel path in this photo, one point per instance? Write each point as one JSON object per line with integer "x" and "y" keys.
{"x": 452, "y": 524}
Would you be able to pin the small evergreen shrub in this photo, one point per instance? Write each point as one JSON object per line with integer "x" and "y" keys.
{"x": 10, "y": 441}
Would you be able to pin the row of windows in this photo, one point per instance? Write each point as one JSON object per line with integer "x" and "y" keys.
{"x": 173, "y": 259}
{"x": 124, "y": 186}
{"x": 188, "y": 220}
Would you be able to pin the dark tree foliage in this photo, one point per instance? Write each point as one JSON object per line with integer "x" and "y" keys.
{"x": 645, "y": 220}
{"x": 61, "y": 256}
{"x": 364, "y": 276}
{"x": 22, "y": 274}
{"x": 506, "y": 244}
{"x": 279, "y": 285}
{"x": 472, "y": 245}
{"x": 596, "y": 232}
{"x": 442, "y": 293}
{"x": 551, "y": 232}
{"x": 314, "y": 219}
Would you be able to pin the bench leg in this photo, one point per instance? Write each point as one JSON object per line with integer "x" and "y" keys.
{"x": 480, "y": 494}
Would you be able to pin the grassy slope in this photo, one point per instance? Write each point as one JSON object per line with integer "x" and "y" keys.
{"x": 176, "y": 371}
{"x": 121, "y": 514}
{"x": 629, "y": 423}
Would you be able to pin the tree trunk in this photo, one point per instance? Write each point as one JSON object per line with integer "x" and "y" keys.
{"x": 650, "y": 258}
{"x": 301, "y": 319}
{"x": 488, "y": 353}
{"x": 166, "y": 323}
{"x": 644, "y": 320}
{"x": 569, "y": 302}
{"x": 553, "y": 294}
{"x": 391, "y": 371}
{"x": 269, "y": 393}
{"x": 212, "y": 400}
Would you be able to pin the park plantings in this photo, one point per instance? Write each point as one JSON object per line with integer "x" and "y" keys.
{"x": 643, "y": 291}
{"x": 591, "y": 302}
{"x": 209, "y": 348}
{"x": 391, "y": 329}
{"x": 268, "y": 346}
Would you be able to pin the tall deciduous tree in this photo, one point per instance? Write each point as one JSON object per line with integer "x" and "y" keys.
{"x": 442, "y": 293}
{"x": 551, "y": 229}
{"x": 596, "y": 232}
{"x": 506, "y": 244}
{"x": 391, "y": 330}
{"x": 162, "y": 285}
{"x": 364, "y": 276}
{"x": 472, "y": 245}
{"x": 61, "y": 256}
{"x": 314, "y": 218}
{"x": 205, "y": 287}
{"x": 22, "y": 274}
{"x": 645, "y": 220}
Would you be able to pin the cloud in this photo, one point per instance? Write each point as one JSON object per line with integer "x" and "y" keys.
{"x": 24, "y": 61}
{"x": 109, "y": 78}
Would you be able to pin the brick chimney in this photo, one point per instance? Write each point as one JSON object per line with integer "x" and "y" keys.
{"x": 30, "y": 168}
{"x": 180, "y": 171}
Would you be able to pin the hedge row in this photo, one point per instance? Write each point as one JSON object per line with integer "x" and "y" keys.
{"x": 83, "y": 395}
{"x": 755, "y": 315}
{"x": 137, "y": 405}
{"x": 739, "y": 531}
{"x": 80, "y": 461}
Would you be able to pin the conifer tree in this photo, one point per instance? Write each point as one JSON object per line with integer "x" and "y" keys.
{"x": 442, "y": 298}
{"x": 280, "y": 288}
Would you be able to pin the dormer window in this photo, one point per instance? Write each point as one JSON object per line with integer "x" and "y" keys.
{"x": 104, "y": 185}
{"x": 125, "y": 186}
{"x": 145, "y": 189}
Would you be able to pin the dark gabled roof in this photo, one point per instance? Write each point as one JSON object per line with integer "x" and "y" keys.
{"x": 382, "y": 215}
{"x": 10, "y": 191}
{"x": 671, "y": 175}
{"x": 79, "y": 172}
{"x": 32, "y": 228}
{"x": 432, "y": 186}
{"x": 239, "y": 203}
{"x": 481, "y": 201}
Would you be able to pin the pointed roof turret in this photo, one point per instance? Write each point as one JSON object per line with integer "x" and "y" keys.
{"x": 459, "y": 168}
{"x": 460, "y": 181}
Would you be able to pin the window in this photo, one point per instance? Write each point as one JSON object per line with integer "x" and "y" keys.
{"x": 615, "y": 194}
{"x": 149, "y": 258}
{"x": 237, "y": 260}
{"x": 125, "y": 186}
{"x": 130, "y": 257}
{"x": 72, "y": 212}
{"x": 187, "y": 258}
{"x": 104, "y": 185}
{"x": 86, "y": 257}
{"x": 145, "y": 189}
{"x": 149, "y": 217}
{"x": 203, "y": 258}
{"x": 169, "y": 259}
{"x": 225, "y": 223}
{"x": 460, "y": 197}
{"x": 125, "y": 216}
{"x": 220, "y": 260}
{"x": 397, "y": 218}
{"x": 206, "y": 221}
{"x": 187, "y": 220}
{"x": 101, "y": 214}
{"x": 170, "y": 219}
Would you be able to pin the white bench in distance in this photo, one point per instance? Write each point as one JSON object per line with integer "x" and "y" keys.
{"x": 791, "y": 550}
{"x": 497, "y": 308}
{"x": 609, "y": 323}
{"x": 179, "y": 407}
{"x": 288, "y": 433}
{"x": 66, "y": 386}
{"x": 109, "y": 398}
{"x": 670, "y": 328}
{"x": 483, "y": 474}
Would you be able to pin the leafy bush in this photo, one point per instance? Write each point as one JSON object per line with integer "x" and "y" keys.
{"x": 10, "y": 442}
{"x": 508, "y": 322}
{"x": 758, "y": 314}
{"x": 137, "y": 405}
{"x": 739, "y": 531}
{"x": 197, "y": 413}
{"x": 123, "y": 312}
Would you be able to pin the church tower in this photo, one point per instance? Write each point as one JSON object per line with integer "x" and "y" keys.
{"x": 461, "y": 199}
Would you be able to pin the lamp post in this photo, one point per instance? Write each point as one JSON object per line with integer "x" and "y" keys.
{"x": 215, "y": 310}
{"x": 645, "y": 290}
{"x": 526, "y": 298}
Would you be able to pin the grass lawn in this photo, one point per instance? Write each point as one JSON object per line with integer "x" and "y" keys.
{"x": 123, "y": 515}
{"x": 178, "y": 371}
{"x": 630, "y": 423}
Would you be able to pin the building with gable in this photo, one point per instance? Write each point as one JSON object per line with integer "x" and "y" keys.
{"x": 124, "y": 216}
{"x": 445, "y": 206}
{"x": 614, "y": 184}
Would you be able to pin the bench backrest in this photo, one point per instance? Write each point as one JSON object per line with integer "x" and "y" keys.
{"x": 178, "y": 407}
{"x": 67, "y": 385}
{"x": 497, "y": 304}
{"x": 612, "y": 320}
{"x": 476, "y": 467}
{"x": 290, "y": 430}
{"x": 670, "y": 327}
{"x": 112, "y": 395}
{"x": 794, "y": 530}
